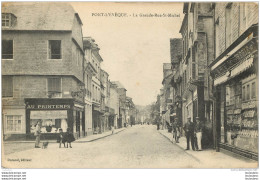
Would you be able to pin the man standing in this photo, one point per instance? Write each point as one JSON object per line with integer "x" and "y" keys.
{"x": 37, "y": 133}
{"x": 189, "y": 133}
{"x": 198, "y": 131}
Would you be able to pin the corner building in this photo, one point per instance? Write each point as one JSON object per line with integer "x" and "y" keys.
{"x": 42, "y": 70}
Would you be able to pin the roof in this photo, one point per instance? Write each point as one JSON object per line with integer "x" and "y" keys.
{"x": 119, "y": 85}
{"x": 41, "y": 15}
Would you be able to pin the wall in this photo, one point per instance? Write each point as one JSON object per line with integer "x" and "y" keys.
{"x": 31, "y": 54}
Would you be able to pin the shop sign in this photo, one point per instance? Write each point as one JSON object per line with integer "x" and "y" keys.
{"x": 56, "y": 106}
{"x": 249, "y": 105}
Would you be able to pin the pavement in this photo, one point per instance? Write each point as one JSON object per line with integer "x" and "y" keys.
{"x": 221, "y": 159}
{"x": 140, "y": 146}
{"x": 10, "y": 147}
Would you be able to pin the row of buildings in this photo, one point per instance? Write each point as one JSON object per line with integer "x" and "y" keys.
{"x": 213, "y": 75}
{"x": 52, "y": 74}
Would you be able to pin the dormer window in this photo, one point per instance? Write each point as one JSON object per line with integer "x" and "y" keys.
{"x": 8, "y": 19}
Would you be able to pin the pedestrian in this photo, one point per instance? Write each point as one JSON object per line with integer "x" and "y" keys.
{"x": 69, "y": 137}
{"x": 37, "y": 134}
{"x": 189, "y": 133}
{"x": 198, "y": 132}
{"x": 61, "y": 138}
{"x": 176, "y": 131}
{"x": 113, "y": 129}
{"x": 192, "y": 135}
{"x": 173, "y": 131}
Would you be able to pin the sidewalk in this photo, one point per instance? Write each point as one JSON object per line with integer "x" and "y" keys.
{"x": 98, "y": 136}
{"x": 209, "y": 158}
{"x": 10, "y": 147}
{"x": 89, "y": 138}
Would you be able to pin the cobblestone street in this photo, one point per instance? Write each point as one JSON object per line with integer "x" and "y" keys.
{"x": 140, "y": 146}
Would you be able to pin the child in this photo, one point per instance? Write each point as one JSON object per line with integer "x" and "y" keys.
{"x": 69, "y": 137}
{"x": 60, "y": 138}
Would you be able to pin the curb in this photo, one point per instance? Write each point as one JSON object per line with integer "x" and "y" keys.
{"x": 99, "y": 137}
{"x": 181, "y": 147}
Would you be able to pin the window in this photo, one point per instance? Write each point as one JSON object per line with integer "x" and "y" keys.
{"x": 228, "y": 32}
{"x": 54, "y": 85}
{"x": 7, "y": 49}
{"x": 54, "y": 49}
{"x": 7, "y": 86}
{"x": 248, "y": 92}
{"x": 253, "y": 93}
{"x": 13, "y": 123}
{"x": 6, "y": 20}
{"x": 244, "y": 93}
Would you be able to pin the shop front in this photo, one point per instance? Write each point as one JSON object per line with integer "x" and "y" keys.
{"x": 236, "y": 105}
{"x": 54, "y": 114}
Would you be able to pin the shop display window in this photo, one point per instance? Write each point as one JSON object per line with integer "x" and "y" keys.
{"x": 51, "y": 121}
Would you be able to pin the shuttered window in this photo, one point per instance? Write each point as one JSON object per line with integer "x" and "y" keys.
{"x": 55, "y": 49}
{"x": 54, "y": 85}
{"x": 7, "y": 86}
{"x": 7, "y": 49}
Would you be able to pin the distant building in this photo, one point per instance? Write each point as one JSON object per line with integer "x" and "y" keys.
{"x": 122, "y": 104}
{"x": 42, "y": 69}
{"x": 114, "y": 105}
{"x": 94, "y": 58}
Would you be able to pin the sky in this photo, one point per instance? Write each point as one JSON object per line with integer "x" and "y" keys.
{"x": 133, "y": 48}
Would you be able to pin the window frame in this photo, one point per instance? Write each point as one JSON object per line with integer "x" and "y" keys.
{"x": 2, "y": 50}
{"x": 6, "y": 124}
{"x": 9, "y": 20}
{"x": 49, "y": 51}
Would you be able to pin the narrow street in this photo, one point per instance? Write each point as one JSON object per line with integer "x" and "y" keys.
{"x": 140, "y": 146}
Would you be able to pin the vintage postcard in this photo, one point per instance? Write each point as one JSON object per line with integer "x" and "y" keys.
{"x": 130, "y": 85}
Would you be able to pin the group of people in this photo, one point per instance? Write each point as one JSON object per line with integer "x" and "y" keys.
{"x": 63, "y": 137}
{"x": 193, "y": 133}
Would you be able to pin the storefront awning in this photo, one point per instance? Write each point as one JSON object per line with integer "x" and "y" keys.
{"x": 236, "y": 71}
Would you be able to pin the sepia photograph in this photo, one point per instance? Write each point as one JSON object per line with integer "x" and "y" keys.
{"x": 129, "y": 85}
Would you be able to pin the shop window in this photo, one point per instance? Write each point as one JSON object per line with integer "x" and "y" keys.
{"x": 7, "y": 86}
{"x": 54, "y": 85}
{"x": 7, "y": 49}
{"x": 253, "y": 90}
{"x": 13, "y": 123}
{"x": 54, "y": 49}
{"x": 51, "y": 121}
